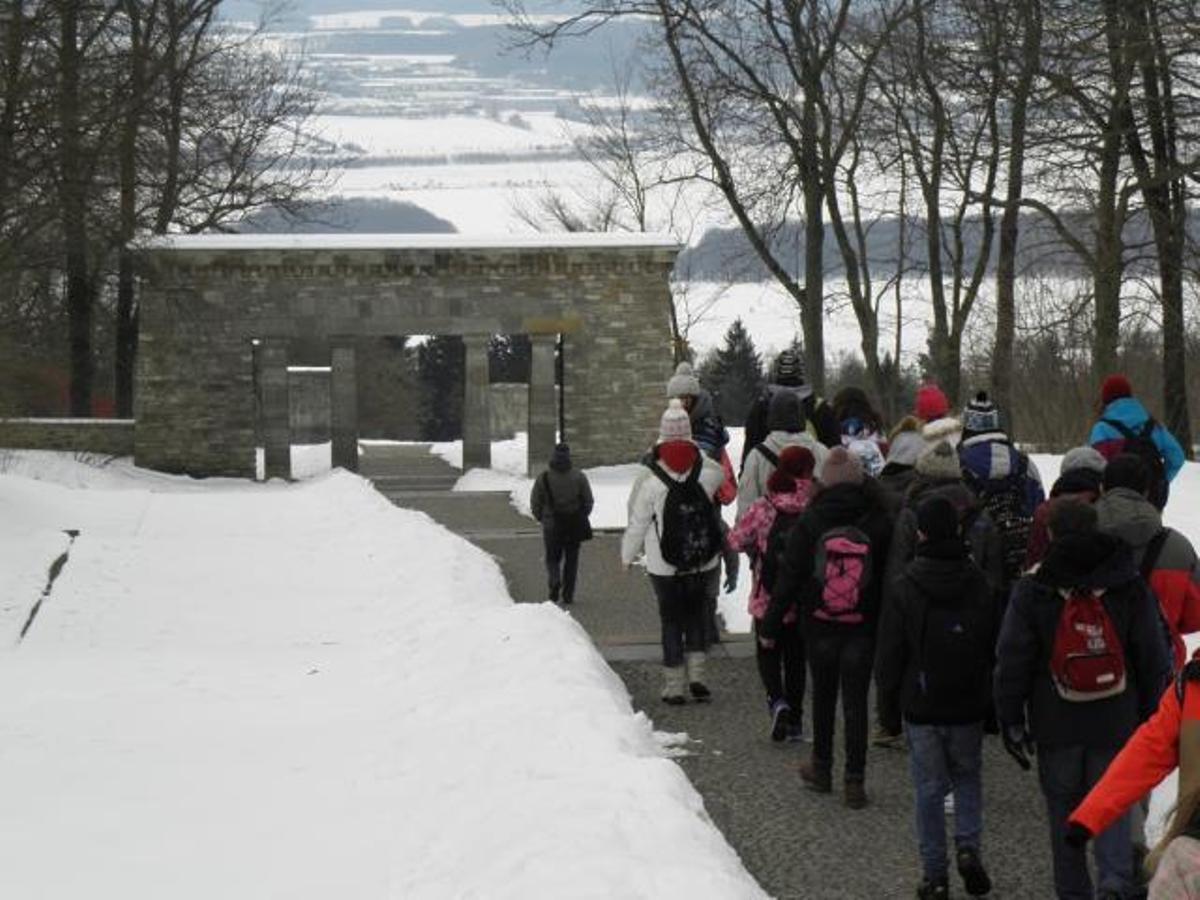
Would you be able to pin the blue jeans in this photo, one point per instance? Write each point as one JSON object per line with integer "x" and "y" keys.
{"x": 943, "y": 758}
{"x": 1066, "y": 775}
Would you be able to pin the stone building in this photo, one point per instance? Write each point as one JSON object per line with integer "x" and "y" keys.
{"x": 218, "y": 313}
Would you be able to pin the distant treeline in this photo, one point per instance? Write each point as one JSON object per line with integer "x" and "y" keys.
{"x": 725, "y": 255}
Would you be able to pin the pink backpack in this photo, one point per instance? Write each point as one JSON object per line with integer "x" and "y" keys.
{"x": 842, "y": 569}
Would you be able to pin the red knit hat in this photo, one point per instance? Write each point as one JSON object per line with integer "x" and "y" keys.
{"x": 795, "y": 464}
{"x": 1114, "y": 388}
{"x": 931, "y": 403}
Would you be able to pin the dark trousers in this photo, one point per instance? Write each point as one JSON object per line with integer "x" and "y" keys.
{"x": 782, "y": 669}
{"x": 840, "y": 658}
{"x": 1066, "y": 775}
{"x": 712, "y": 590}
{"x": 562, "y": 565}
{"x": 683, "y": 612}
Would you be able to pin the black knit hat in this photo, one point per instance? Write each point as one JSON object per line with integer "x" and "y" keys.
{"x": 980, "y": 416}
{"x": 789, "y": 367}
{"x": 937, "y": 519}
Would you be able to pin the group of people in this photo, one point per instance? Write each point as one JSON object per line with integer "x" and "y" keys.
{"x": 929, "y": 558}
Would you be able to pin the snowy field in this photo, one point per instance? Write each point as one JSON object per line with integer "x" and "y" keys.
{"x": 241, "y": 690}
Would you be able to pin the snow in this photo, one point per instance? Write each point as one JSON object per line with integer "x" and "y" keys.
{"x": 374, "y": 19}
{"x": 269, "y": 690}
{"x": 344, "y": 241}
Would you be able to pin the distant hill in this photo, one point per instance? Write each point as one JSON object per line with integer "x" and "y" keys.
{"x": 352, "y": 215}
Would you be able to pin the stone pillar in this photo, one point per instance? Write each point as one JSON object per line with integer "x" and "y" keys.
{"x": 343, "y": 415}
{"x": 276, "y": 407}
{"x": 477, "y": 438}
{"x": 543, "y": 402}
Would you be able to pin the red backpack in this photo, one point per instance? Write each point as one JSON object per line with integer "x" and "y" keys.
{"x": 1088, "y": 661}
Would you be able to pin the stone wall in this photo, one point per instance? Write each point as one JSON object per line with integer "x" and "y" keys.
{"x": 109, "y": 437}
{"x": 202, "y": 302}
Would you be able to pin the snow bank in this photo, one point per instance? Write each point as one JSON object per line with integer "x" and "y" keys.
{"x": 300, "y": 690}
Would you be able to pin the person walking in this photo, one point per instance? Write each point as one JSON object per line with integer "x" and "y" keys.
{"x": 832, "y": 568}
{"x": 786, "y": 424}
{"x": 861, "y": 427}
{"x": 561, "y": 499}
{"x": 904, "y": 446}
{"x": 1005, "y": 480}
{"x": 787, "y": 375}
{"x": 1081, "y": 648}
{"x": 674, "y": 521}
{"x": 935, "y": 647}
{"x": 762, "y": 534}
{"x": 1168, "y": 739}
{"x": 1164, "y": 556}
{"x": 1124, "y": 425}
{"x": 1081, "y": 476}
{"x": 938, "y": 473}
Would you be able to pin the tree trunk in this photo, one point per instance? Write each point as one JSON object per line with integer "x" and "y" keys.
{"x": 812, "y": 319}
{"x": 126, "y": 313}
{"x": 72, "y": 211}
{"x": 1010, "y": 222}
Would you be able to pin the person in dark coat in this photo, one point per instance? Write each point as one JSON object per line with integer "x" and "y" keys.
{"x": 562, "y": 501}
{"x": 905, "y": 445}
{"x": 939, "y": 474}
{"x": 1075, "y": 741}
{"x": 787, "y": 374}
{"x": 841, "y": 649}
{"x": 935, "y": 646}
{"x": 1080, "y": 477}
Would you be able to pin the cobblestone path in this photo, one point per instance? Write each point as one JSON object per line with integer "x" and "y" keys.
{"x": 797, "y": 844}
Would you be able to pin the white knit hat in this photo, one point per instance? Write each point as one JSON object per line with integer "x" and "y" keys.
{"x": 675, "y": 424}
{"x": 684, "y": 382}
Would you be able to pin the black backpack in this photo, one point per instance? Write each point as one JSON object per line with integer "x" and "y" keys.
{"x": 689, "y": 535}
{"x": 954, "y": 651}
{"x": 1003, "y": 499}
{"x": 777, "y": 539}
{"x": 1141, "y": 444}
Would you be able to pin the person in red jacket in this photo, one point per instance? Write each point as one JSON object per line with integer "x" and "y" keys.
{"x": 1165, "y": 557}
{"x": 1149, "y": 756}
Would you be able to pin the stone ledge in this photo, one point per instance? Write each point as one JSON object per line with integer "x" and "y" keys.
{"x": 111, "y": 437}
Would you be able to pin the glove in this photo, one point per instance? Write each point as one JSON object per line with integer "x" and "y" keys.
{"x": 731, "y": 581}
{"x": 1018, "y": 743}
{"x": 1077, "y": 835}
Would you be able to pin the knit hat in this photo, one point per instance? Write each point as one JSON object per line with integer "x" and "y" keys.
{"x": 798, "y": 462}
{"x": 905, "y": 448}
{"x": 795, "y": 464}
{"x": 1127, "y": 470}
{"x": 675, "y": 424}
{"x": 841, "y": 467}
{"x": 789, "y": 368}
{"x": 1083, "y": 458}
{"x": 784, "y": 413}
{"x": 931, "y": 403}
{"x": 1114, "y": 388}
{"x": 937, "y": 519}
{"x": 980, "y": 416}
{"x": 560, "y": 459}
{"x": 940, "y": 462}
{"x": 684, "y": 382}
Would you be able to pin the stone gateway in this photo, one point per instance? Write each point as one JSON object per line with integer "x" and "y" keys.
{"x": 217, "y": 309}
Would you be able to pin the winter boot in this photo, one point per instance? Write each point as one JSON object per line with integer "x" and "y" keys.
{"x": 695, "y": 677}
{"x": 816, "y": 777}
{"x": 935, "y": 889}
{"x": 781, "y": 716}
{"x": 855, "y": 795}
{"x": 673, "y": 679}
{"x": 974, "y": 875}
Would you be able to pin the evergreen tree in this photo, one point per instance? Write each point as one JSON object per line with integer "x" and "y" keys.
{"x": 509, "y": 358}
{"x": 441, "y": 365}
{"x": 733, "y": 374}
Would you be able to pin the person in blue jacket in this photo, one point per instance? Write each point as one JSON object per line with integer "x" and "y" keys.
{"x": 1125, "y": 426}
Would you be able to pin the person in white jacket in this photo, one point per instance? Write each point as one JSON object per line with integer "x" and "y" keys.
{"x": 785, "y": 421}
{"x": 679, "y": 589}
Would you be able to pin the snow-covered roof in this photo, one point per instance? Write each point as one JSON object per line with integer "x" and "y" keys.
{"x": 343, "y": 241}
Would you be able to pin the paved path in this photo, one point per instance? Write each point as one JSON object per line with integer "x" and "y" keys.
{"x": 798, "y": 845}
